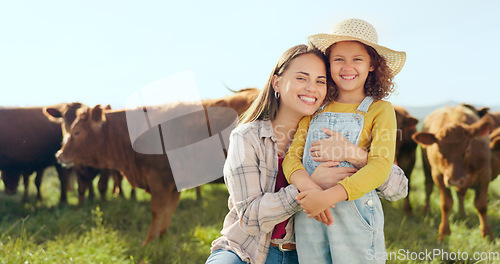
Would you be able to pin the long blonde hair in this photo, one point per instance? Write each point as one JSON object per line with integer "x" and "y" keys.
{"x": 266, "y": 105}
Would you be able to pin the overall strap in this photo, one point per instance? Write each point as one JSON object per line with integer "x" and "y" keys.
{"x": 365, "y": 104}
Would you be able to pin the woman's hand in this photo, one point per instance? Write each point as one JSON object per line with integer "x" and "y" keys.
{"x": 337, "y": 148}
{"x": 326, "y": 175}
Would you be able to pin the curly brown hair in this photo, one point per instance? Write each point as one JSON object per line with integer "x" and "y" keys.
{"x": 379, "y": 83}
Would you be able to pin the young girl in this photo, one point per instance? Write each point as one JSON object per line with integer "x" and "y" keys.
{"x": 362, "y": 72}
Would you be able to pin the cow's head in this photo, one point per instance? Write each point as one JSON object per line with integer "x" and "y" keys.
{"x": 84, "y": 138}
{"x": 454, "y": 148}
{"x": 64, "y": 114}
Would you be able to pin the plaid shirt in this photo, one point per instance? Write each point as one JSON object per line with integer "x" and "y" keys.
{"x": 254, "y": 208}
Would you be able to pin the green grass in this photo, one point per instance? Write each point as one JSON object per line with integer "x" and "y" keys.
{"x": 112, "y": 231}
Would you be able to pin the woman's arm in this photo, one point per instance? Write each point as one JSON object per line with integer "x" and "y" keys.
{"x": 257, "y": 210}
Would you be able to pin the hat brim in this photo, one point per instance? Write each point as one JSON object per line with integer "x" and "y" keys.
{"x": 395, "y": 59}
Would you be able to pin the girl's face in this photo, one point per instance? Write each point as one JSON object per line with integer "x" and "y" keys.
{"x": 302, "y": 86}
{"x": 350, "y": 64}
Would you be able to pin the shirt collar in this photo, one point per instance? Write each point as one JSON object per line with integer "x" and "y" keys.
{"x": 266, "y": 129}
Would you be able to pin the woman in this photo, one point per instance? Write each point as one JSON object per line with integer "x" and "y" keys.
{"x": 259, "y": 228}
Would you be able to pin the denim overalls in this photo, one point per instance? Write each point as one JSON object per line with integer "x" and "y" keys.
{"x": 357, "y": 235}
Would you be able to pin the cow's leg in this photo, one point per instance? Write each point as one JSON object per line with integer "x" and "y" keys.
{"x": 158, "y": 209}
{"x": 102, "y": 185}
{"x": 117, "y": 180}
{"x": 480, "y": 202}
{"x": 63, "y": 174}
{"x": 198, "y": 193}
{"x": 38, "y": 183}
{"x": 446, "y": 206}
{"x": 11, "y": 181}
{"x": 132, "y": 194}
{"x": 171, "y": 206}
{"x": 82, "y": 187}
{"x": 461, "y": 198}
{"x": 429, "y": 183}
{"x": 26, "y": 183}
{"x": 406, "y": 161}
{"x": 407, "y": 206}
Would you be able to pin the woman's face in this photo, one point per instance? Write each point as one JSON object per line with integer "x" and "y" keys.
{"x": 302, "y": 86}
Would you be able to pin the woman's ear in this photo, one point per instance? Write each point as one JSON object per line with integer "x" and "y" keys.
{"x": 372, "y": 68}
{"x": 275, "y": 83}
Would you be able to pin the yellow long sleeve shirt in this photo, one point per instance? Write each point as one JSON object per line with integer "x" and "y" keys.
{"x": 378, "y": 136}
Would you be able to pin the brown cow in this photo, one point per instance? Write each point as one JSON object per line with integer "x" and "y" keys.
{"x": 405, "y": 147}
{"x": 482, "y": 111}
{"x": 456, "y": 153}
{"x": 28, "y": 143}
{"x": 65, "y": 114}
{"x": 102, "y": 139}
{"x": 495, "y": 152}
{"x": 494, "y": 137}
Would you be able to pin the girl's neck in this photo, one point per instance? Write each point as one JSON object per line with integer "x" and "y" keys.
{"x": 284, "y": 127}
{"x": 350, "y": 98}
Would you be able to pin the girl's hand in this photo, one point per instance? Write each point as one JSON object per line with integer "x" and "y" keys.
{"x": 333, "y": 148}
{"x": 326, "y": 175}
{"x": 338, "y": 148}
{"x": 313, "y": 202}
{"x": 325, "y": 217}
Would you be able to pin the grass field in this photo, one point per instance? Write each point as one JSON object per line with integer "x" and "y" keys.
{"x": 112, "y": 231}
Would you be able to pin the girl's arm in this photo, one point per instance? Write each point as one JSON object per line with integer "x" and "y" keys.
{"x": 257, "y": 210}
{"x": 381, "y": 155}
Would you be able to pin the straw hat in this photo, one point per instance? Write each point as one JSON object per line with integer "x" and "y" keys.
{"x": 364, "y": 32}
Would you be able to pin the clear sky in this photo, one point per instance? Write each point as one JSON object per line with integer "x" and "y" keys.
{"x": 105, "y": 51}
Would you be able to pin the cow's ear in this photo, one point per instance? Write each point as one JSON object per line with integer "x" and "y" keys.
{"x": 107, "y": 107}
{"x": 495, "y": 144}
{"x": 53, "y": 114}
{"x": 482, "y": 127}
{"x": 97, "y": 116}
{"x": 424, "y": 138}
{"x": 483, "y": 111}
{"x": 412, "y": 122}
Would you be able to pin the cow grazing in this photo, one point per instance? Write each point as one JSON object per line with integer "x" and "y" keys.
{"x": 65, "y": 115}
{"x": 28, "y": 143}
{"x": 456, "y": 153}
{"x": 102, "y": 140}
{"x": 405, "y": 147}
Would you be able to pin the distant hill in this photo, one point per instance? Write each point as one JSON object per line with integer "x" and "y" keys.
{"x": 420, "y": 112}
